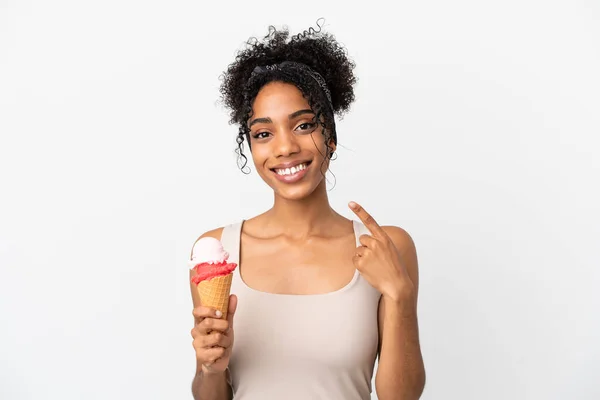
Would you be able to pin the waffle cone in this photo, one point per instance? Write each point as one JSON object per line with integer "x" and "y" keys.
{"x": 214, "y": 293}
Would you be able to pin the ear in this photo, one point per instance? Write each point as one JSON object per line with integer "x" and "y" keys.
{"x": 332, "y": 147}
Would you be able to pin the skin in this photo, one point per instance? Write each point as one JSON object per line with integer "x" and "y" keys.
{"x": 302, "y": 226}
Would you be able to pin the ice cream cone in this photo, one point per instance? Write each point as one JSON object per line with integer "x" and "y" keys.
{"x": 215, "y": 293}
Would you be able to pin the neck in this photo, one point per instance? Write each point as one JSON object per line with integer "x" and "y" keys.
{"x": 304, "y": 217}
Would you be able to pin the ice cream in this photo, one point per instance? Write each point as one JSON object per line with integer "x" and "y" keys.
{"x": 213, "y": 273}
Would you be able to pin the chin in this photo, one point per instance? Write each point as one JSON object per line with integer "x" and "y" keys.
{"x": 297, "y": 193}
{"x": 294, "y": 191}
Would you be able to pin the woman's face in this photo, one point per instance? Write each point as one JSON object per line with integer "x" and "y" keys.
{"x": 288, "y": 147}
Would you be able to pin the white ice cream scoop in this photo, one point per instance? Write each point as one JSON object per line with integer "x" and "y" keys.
{"x": 208, "y": 250}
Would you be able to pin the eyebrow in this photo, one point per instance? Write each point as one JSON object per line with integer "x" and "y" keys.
{"x": 268, "y": 120}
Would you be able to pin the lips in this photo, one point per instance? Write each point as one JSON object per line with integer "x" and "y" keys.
{"x": 290, "y": 164}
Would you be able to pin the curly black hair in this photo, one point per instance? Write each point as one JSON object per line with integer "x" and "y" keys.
{"x": 314, "y": 48}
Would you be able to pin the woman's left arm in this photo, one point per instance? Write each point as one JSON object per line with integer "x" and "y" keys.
{"x": 387, "y": 259}
{"x": 401, "y": 372}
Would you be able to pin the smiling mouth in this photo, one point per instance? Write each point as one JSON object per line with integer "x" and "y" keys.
{"x": 291, "y": 171}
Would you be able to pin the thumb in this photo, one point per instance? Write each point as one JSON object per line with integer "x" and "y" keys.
{"x": 231, "y": 309}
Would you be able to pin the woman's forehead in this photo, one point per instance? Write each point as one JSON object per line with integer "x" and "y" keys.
{"x": 279, "y": 98}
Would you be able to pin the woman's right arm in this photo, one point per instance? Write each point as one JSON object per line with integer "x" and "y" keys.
{"x": 210, "y": 386}
{"x": 212, "y": 342}
{"x": 213, "y": 339}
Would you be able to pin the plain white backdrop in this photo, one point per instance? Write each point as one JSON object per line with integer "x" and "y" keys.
{"x": 475, "y": 128}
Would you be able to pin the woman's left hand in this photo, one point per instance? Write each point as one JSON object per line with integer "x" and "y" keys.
{"x": 378, "y": 260}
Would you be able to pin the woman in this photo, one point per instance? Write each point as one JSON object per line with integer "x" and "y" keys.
{"x": 316, "y": 297}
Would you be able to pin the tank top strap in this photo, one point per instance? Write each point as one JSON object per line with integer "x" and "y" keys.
{"x": 230, "y": 238}
{"x": 360, "y": 229}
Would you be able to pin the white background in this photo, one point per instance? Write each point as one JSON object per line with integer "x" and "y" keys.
{"x": 475, "y": 128}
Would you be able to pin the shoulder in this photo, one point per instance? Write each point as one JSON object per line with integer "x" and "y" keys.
{"x": 400, "y": 237}
{"x": 214, "y": 233}
{"x": 407, "y": 250}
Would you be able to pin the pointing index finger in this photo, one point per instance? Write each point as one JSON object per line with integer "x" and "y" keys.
{"x": 367, "y": 219}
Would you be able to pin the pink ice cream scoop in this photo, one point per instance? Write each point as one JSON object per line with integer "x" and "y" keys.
{"x": 209, "y": 259}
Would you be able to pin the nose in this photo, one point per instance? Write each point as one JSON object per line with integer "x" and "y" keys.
{"x": 286, "y": 144}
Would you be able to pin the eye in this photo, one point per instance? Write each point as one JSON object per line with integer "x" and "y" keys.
{"x": 260, "y": 135}
{"x": 307, "y": 126}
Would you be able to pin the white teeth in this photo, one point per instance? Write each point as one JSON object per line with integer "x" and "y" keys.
{"x": 291, "y": 171}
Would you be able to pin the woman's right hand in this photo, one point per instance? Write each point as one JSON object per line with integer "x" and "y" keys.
{"x": 213, "y": 337}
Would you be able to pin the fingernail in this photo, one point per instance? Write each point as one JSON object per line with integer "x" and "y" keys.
{"x": 352, "y": 204}
{"x": 218, "y": 314}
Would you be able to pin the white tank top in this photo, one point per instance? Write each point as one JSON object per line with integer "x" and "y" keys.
{"x": 302, "y": 347}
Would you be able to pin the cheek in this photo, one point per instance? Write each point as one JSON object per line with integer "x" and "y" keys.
{"x": 324, "y": 166}
{"x": 316, "y": 144}
{"x": 259, "y": 153}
